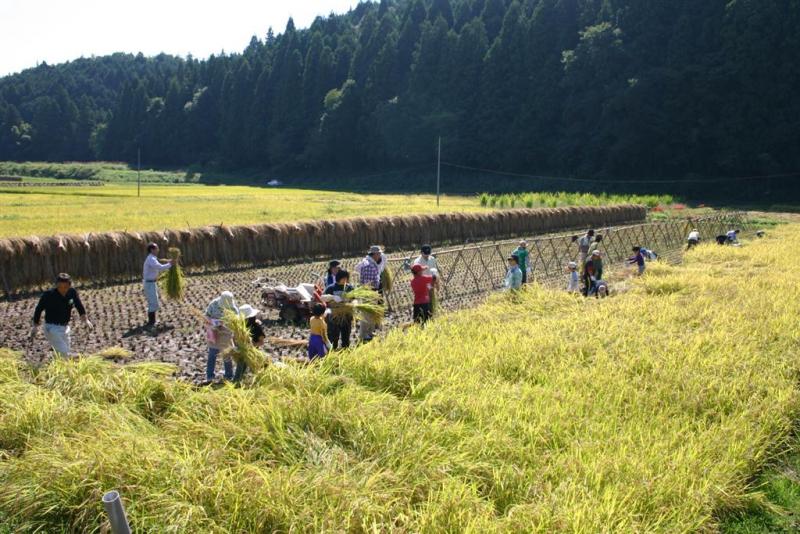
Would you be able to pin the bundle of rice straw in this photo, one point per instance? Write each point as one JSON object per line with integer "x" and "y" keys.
{"x": 172, "y": 281}
{"x": 387, "y": 279}
{"x": 243, "y": 350}
{"x": 114, "y": 353}
{"x": 434, "y": 302}
{"x": 362, "y": 303}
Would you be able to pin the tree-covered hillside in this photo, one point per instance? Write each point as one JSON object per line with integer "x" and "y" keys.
{"x": 590, "y": 88}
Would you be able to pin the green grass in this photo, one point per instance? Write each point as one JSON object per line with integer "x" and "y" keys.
{"x": 777, "y": 506}
{"x": 104, "y": 171}
{"x": 651, "y": 411}
{"x": 555, "y": 200}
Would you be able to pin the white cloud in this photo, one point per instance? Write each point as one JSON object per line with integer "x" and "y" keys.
{"x": 32, "y": 31}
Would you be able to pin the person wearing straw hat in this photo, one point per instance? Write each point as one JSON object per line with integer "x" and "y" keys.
{"x": 150, "y": 272}
{"x": 522, "y": 253}
{"x": 219, "y": 338}
{"x": 257, "y": 336}
{"x": 57, "y": 304}
{"x": 369, "y": 274}
{"x": 428, "y": 261}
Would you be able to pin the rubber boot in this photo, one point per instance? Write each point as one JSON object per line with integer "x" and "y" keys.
{"x": 151, "y": 319}
{"x": 228, "y": 364}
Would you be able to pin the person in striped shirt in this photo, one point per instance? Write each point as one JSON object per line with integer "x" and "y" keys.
{"x": 369, "y": 275}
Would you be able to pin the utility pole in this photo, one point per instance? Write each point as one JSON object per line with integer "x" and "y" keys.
{"x": 138, "y": 171}
{"x": 439, "y": 171}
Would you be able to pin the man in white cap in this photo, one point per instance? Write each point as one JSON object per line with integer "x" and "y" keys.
{"x": 150, "y": 272}
{"x": 57, "y": 304}
{"x": 369, "y": 275}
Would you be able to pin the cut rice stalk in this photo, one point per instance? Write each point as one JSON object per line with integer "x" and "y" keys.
{"x": 173, "y": 281}
{"x": 115, "y": 353}
{"x": 243, "y": 350}
{"x": 387, "y": 279}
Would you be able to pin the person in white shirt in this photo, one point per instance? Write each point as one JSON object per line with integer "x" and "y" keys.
{"x": 694, "y": 239}
{"x": 733, "y": 237}
{"x": 150, "y": 272}
{"x": 573, "y": 280}
{"x": 428, "y": 260}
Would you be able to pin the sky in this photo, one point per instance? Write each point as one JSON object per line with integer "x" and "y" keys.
{"x": 32, "y": 31}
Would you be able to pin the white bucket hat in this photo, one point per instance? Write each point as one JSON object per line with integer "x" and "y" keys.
{"x": 248, "y": 311}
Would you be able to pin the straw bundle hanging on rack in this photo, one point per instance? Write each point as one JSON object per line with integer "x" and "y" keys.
{"x": 115, "y": 256}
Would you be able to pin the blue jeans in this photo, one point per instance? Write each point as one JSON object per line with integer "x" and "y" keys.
{"x": 211, "y": 366}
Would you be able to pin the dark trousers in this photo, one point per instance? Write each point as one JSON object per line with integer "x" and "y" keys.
{"x": 337, "y": 331}
{"x": 422, "y": 312}
{"x": 525, "y": 275}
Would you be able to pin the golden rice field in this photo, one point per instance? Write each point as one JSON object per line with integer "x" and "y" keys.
{"x": 646, "y": 412}
{"x": 115, "y": 206}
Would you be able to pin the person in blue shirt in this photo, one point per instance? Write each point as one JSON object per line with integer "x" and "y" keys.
{"x": 334, "y": 266}
{"x": 514, "y": 275}
{"x": 638, "y": 259}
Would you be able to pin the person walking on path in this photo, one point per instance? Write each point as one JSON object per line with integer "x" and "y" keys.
{"x": 153, "y": 267}
{"x": 513, "y": 279}
{"x": 523, "y": 254}
{"x": 318, "y": 342}
{"x": 584, "y": 244}
{"x": 340, "y": 328}
{"x": 57, "y": 304}
{"x": 369, "y": 274}
{"x": 422, "y": 285}
{"x": 637, "y": 259}
{"x": 219, "y": 338}
{"x": 428, "y": 261}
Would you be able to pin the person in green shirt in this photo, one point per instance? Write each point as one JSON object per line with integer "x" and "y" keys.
{"x": 522, "y": 253}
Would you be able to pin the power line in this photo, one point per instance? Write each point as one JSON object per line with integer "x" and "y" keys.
{"x": 630, "y": 182}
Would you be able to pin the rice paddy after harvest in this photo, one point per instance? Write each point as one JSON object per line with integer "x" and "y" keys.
{"x": 647, "y": 411}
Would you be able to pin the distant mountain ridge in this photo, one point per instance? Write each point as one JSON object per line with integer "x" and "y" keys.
{"x": 591, "y": 88}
